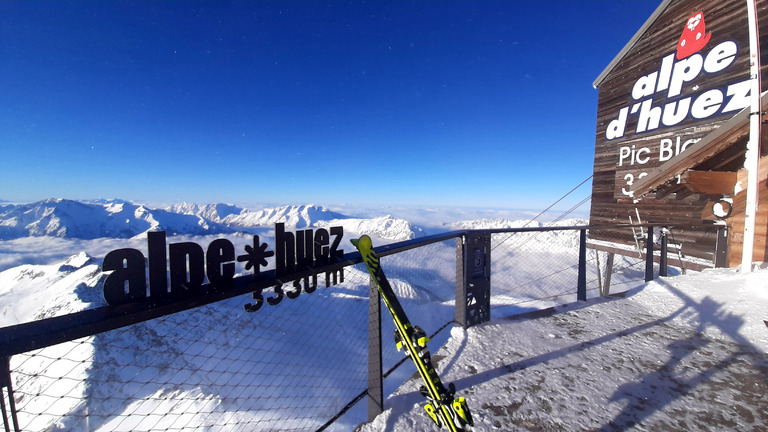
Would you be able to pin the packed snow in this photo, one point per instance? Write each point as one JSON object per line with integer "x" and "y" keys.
{"x": 682, "y": 352}
{"x": 679, "y": 353}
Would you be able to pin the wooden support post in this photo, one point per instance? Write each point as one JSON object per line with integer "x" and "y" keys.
{"x": 608, "y": 274}
{"x": 599, "y": 278}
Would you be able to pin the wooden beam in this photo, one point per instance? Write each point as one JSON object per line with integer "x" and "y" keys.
{"x": 709, "y": 182}
{"x": 671, "y": 260}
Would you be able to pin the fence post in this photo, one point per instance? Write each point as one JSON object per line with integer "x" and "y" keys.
{"x": 473, "y": 279}
{"x": 460, "y": 313}
{"x": 5, "y": 382}
{"x": 581, "y": 290}
{"x": 663, "y": 257}
{"x": 649, "y": 255}
{"x": 375, "y": 379}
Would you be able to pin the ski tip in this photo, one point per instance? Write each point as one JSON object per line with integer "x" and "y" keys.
{"x": 363, "y": 242}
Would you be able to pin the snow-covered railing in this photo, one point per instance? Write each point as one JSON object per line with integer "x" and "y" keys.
{"x": 205, "y": 363}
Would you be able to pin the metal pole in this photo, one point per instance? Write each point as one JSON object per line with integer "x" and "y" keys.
{"x": 721, "y": 247}
{"x": 5, "y": 382}
{"x": 375, "y": 379}
{"x": 460, "y": 314}
{"x": 581, "y": 290}
{"x": 649, "y": 255}
{"x": 663, "y": 257}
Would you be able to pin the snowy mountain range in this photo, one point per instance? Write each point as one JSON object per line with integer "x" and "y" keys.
{"x": 122, "y": 219}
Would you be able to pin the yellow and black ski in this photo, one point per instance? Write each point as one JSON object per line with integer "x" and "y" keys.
{"x": 442, "y": 404}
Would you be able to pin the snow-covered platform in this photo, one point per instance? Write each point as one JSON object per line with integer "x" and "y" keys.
{"x": 681, "y": 353}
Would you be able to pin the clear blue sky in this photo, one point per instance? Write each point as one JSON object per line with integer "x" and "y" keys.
{"x": 428, "y": 103}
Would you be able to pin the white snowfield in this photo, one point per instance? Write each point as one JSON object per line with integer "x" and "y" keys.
{"x": 680, "y": 353}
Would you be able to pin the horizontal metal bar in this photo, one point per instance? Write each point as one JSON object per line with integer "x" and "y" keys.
{"x": 403, "y": 246}
{"x": 38, "y": 334}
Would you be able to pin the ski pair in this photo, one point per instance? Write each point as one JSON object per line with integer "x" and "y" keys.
{"x": 441, "y": 402}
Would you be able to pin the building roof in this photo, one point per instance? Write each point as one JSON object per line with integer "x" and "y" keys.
{"x": 631, "y": 43}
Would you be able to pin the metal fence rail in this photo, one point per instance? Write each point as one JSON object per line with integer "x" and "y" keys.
{"x": 298, "y": 363}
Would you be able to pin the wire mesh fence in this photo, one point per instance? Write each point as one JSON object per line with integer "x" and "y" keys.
{"x": 291, "y": 365}
{"x": 538, "y": 267}
{"x": 216, "y": 367}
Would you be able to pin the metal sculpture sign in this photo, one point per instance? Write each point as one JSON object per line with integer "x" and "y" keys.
{"x": 179, "y": 270}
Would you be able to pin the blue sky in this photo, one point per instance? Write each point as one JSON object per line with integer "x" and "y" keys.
{"x": 374, "y": 103}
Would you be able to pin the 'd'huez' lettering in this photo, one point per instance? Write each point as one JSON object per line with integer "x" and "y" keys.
{"x": 180, "y": 270}
{"x": 670, "y": 80}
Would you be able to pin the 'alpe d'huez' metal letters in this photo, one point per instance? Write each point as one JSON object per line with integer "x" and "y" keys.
{"x": 188, "y": 265}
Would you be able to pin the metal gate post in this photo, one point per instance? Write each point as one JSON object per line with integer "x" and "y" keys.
{"x": 473, "y": 279}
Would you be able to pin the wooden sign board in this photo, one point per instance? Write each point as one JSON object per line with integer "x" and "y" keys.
{"x": 684, "y": 74}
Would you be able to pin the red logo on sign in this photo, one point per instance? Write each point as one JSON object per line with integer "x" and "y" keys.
{"x": 694, "y": 36}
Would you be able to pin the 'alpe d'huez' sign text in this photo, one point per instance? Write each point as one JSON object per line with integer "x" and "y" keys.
{"x": 181, "y": 272}
{"x": 657, "y": 101}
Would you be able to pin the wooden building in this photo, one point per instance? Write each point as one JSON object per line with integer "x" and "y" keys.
{"x": 673, "y": 128}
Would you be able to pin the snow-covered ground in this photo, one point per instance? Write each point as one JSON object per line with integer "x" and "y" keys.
{"x": 679, "y": 353}
{"x": 687, "y": 348}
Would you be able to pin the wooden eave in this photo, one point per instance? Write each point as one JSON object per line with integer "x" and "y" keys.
{"x": 620, "y": 56}
{"x": 717, "y": 141}
{"x": 710, "y": 182}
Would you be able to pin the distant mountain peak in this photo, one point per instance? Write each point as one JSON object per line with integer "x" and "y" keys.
{"x": 114, "y": 218}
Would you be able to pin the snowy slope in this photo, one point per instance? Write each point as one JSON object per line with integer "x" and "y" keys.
{"x": 33, "y": 292}
{"x": 681, "y": 353}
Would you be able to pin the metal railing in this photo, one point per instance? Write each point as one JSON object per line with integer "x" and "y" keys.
{"x": 206, "y": 363}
